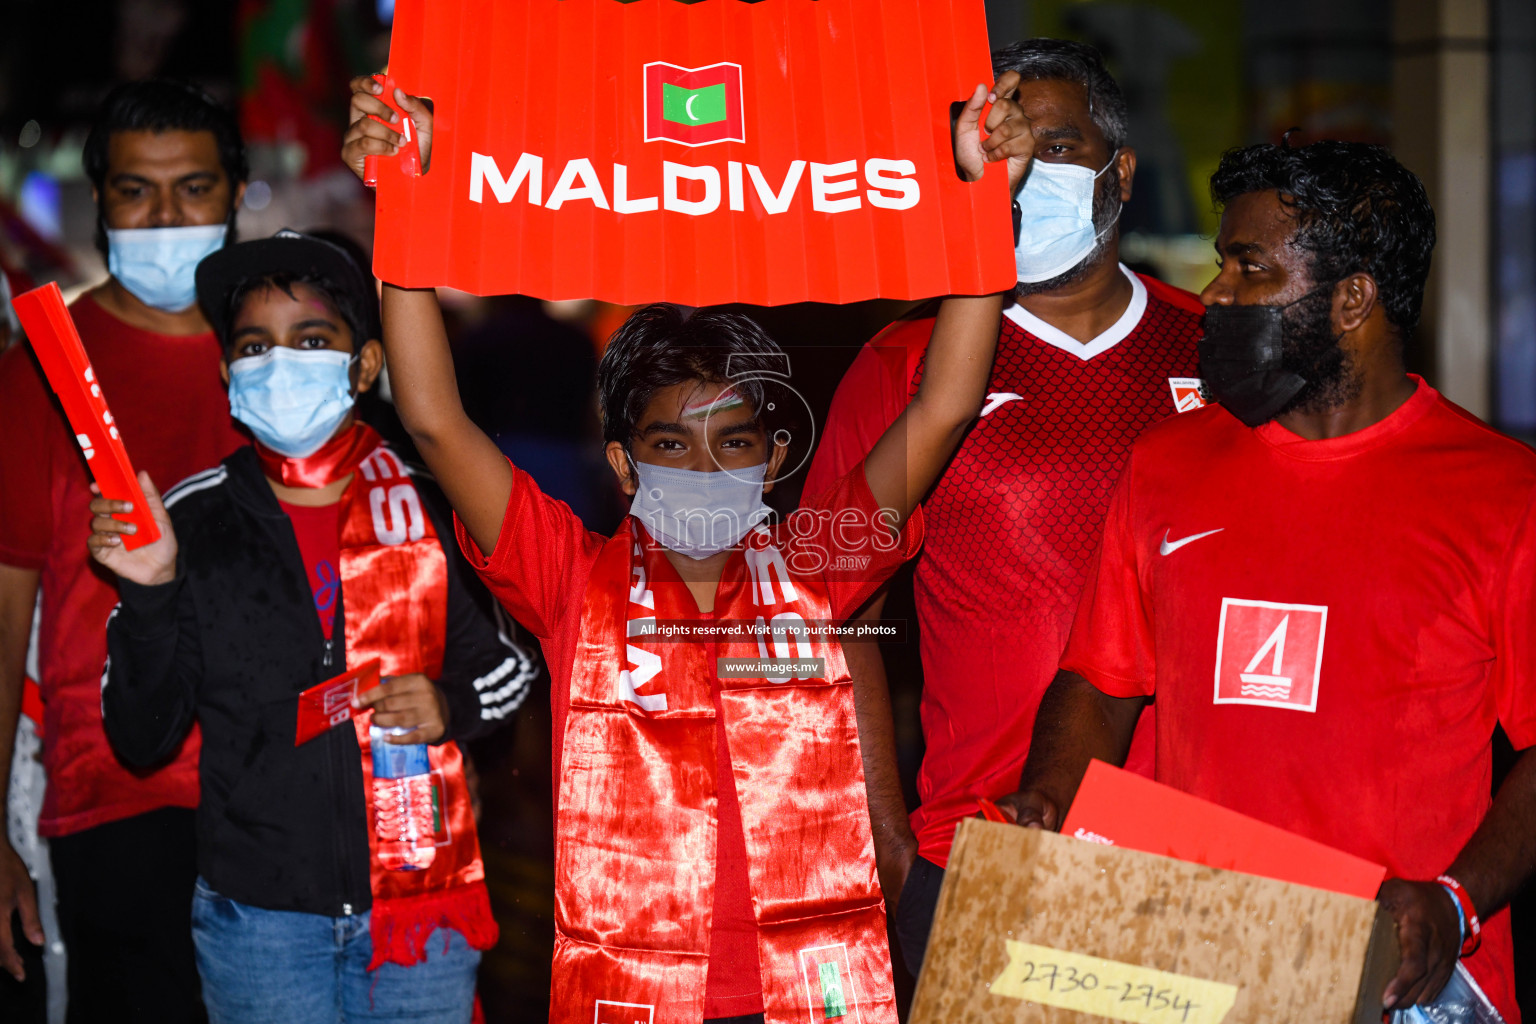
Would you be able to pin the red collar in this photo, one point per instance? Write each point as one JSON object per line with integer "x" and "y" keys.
{"x": 1291, "y": 444}
{"x": 336, "y": 459}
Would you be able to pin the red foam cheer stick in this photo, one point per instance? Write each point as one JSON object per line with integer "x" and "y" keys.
{"x": 409, "y": 157}
{"x": 57, "y": 344}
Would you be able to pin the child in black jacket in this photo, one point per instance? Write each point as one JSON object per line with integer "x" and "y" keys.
{"x": 302, "y": 557}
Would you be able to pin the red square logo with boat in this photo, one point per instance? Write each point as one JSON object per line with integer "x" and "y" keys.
{"x": 693, "y": 106}
{"x": 1270, "y": 654}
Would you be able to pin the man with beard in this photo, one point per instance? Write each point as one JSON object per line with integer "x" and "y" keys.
{"x": 1328, "y": 582}
{"x": 1084, "y": 362}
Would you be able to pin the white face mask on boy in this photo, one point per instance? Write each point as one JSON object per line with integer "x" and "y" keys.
{"x": 292, "y": 400}
{"x": 695, "y": 513}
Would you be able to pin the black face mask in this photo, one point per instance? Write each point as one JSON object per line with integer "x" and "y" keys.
{"x": 1242, "y": 357}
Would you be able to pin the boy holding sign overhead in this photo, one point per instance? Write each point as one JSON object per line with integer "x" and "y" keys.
{"x": 713, "y": 850}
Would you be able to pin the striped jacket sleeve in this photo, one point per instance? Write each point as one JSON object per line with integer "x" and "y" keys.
{"x": 154, "y": 661}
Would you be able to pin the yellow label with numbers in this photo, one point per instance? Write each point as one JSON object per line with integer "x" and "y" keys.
{"x": 1108, "y": 988}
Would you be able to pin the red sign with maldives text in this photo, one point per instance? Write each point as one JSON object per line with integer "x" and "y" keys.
{"x": 715, "y": 151}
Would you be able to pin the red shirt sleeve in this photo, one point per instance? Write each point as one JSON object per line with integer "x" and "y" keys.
{"x": 1514, "y": 634}
{"x": 542, "y": 553}
{"x": 870, "y": 397}
{"x": 32, "y": 434}
{"x": 1111, "y": 644}
{"x": 842, "y": 531}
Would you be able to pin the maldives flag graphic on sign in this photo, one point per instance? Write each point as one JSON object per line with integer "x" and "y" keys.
{"x": 693, "y": 151}
{"x": 694, "y": 106}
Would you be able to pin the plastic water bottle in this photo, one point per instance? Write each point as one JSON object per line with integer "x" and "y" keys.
{"x": 1462, "y": 1001}
{"x": 402, "y": 802}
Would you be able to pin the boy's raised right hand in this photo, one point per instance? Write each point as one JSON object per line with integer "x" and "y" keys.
{"x": 150, "y": 565}
{"x": 367, "y": 137}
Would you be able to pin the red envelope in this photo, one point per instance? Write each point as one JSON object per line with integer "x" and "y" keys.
{"x": 328, "y": 704}
{"x": 1120, "y": 808}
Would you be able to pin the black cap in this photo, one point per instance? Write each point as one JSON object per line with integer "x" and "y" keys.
{"x": 289, "y": 252}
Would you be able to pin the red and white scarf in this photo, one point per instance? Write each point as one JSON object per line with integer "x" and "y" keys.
{"x": 635, "y": 832}
{"x": 394, "y": 588}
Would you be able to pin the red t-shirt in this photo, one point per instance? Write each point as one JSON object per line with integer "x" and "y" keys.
{"x": 173, "y": 414}
{"x": 1331, "y": 628}
{"x": 539, "y": 572}
{"x": 318, "y": 531}
{"x": 1012, "y": 524}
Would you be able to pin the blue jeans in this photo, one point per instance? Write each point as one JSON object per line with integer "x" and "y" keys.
{"x": 283, "y": 967}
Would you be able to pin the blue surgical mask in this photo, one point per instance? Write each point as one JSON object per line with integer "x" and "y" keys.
{"x": 1056, "y": 230}
{"x": 159, "y": 265}
{"x": 699, "y": 514}
{"x": 292, "y": 400}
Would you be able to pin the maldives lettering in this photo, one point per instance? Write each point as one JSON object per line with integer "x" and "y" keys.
{"x": 697, "y": 190}
{"x": 696, "y": 107}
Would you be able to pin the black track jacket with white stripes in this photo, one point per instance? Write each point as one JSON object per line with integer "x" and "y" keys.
{"x": 232, "y": 641}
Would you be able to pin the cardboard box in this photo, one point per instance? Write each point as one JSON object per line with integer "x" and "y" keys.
{"x": 1034, "y": 926}
{"x": 1122, "y": 808}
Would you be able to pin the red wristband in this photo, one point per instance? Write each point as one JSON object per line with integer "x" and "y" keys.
{"x": 1474, "y": 937}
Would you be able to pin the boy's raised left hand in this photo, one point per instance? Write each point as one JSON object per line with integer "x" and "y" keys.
{"x": 408, "y": 702}
{"x": 366, "y": 137}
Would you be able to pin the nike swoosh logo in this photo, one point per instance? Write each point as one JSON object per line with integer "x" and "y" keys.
{"x": 1169, "y": 547}
{"x": 997, "y": 399}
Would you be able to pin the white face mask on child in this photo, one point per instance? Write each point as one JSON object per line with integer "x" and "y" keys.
{"x": 695, "y": 513}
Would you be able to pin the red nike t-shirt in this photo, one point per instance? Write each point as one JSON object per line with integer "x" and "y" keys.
{"x": 540, "y": 571}
{"x": 1331, "y": 628}
{"x": 1013, "y": 522}
{"x": 173, "y": 413}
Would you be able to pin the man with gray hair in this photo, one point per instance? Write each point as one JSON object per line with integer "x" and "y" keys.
{"x": 1090, "y": 355}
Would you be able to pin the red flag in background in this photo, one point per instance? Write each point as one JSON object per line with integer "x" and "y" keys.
{"x": 723, "y": 150}
{"x": 295, "y": 59}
